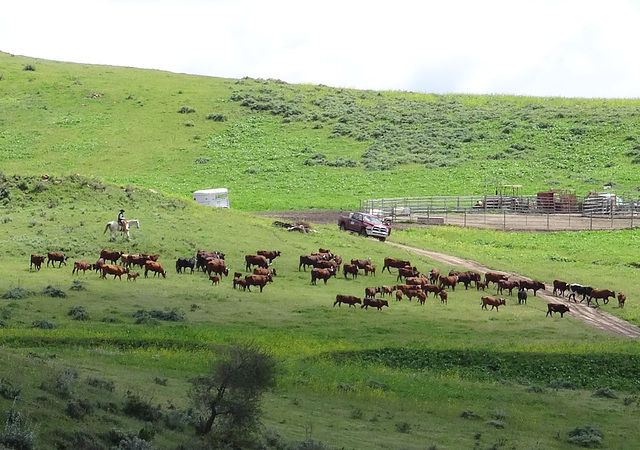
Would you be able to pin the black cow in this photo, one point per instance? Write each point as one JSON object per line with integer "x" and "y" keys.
{"x": 182, "y": 264}
{"x": 556, "y": 307}
{"x": 579, "y": 289}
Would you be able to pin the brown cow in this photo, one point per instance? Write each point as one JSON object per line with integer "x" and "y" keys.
{"x": 337, "y": 259}
{"x": 532, "y": 284}
{"x": 434, "y": 275}
{"x": 374, "y": 303}
{"x": 53, "y": 257}
{"x": 325, "y": 264}
{"x": 350, "y": 269}
{"x": 116, "y": 271}
{"x": 371, "y": 291}
{"x": 136, "y": 260}
{"x": 556, "y": 307}
{"x": 80, "y": 265}
{"x": 256, "y": 260}
{"x": 506, "y": 284}
{"x": 417, "y": 281}
{"x": 398, "y": 295}
{"x": 36, "y": 261}
{"x": 257, "y": 280}
{"x": 132, "y": 276}
{"x": 98, "y": 265}
{"x": 325, "y": 250}
{"x": 466, "y": 277}
{"x": 348, "y": 299}
{"x": 370, "y": 268}
{"x": 493, "y": 277}
{"x": 361, "y": 263}
{"x": 150, "y": 257}
{"x": 560, "y": 286}
{"x": 410, "y": 293}
{"x": 387, "y": 290}
{"x": 215, "y": 279}
{"x": 110, "y": 255}
{"x": 443, "y": 296}
{"x": 396, "y": 263}
{"x": 308, "y": 260}
{"x": 495, "y": 302}
{"x": 405, "y": 272}
{"x": 481, "y": 285}
{"x": 435, "y": 288}
{"x": 269, "y": 254}
{"x": 622, "y": 297}
{"x": 202, "y": 256}
{"x": 322, "y": 274}
{"x": 604, "y": 294}
{"x": 237, "y": 281}
{"x": 217, "y": 266}
{"x": 259, "y": 271}
{"x": 449, "y": 280}
{"x": 154, "y": 267}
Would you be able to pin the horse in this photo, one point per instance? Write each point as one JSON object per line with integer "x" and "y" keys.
{"x": 114, "y": 227}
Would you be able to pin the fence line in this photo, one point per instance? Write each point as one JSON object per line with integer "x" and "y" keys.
{"x": 535, "y": 212}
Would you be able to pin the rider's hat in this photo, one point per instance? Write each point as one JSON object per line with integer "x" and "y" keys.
{"x": 122, "y": 210}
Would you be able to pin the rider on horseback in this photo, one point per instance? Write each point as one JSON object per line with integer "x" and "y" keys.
{"x": 122, "y": 221}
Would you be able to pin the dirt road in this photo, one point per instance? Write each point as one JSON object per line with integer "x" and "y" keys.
{"x": 593, "y": 316}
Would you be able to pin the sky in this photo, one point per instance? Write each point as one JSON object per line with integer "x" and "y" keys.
{"x": 542, "y": 48}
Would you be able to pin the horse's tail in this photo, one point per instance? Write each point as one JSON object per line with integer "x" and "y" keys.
{"x": 105, "y": 229}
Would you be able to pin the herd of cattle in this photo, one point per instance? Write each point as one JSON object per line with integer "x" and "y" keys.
{"x": 324, "y": 265}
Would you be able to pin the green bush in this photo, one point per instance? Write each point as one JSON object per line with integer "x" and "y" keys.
{"x": 99, "y": 383}
{"x": 186, "y": 110}
{"x": 135, "y": 406}
{"x": 52, "y": 291}
{"x": 78, "y": 285}
{"x": 79, "y": 408}
{"x": 606, "y": 392}
{"x": 78, "y": 313}
{"x": 217, "y": 117}
{"x": 16, "y": 434}
{"x": 29, "y": 68}
{"x": 588, "y": 436}
{"x": 44, "y": 324}
{"x": 18, "y": 293}
{"x": 7, "y": 390}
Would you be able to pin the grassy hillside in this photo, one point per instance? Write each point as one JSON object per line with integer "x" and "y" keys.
{"x": 409, "y": 376}
{"x": 280, "y": 146}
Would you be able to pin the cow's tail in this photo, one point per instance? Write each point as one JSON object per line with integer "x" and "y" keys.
{"x": 105, "y": 229}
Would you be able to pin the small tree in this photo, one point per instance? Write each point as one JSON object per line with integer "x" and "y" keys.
{"x": 229, "y": 395}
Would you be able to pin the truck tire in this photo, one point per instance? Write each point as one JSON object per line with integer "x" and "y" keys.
{"x": 382, "y": 239}
{"x": 363, "y": 232}
{"x": 341, "y": 226}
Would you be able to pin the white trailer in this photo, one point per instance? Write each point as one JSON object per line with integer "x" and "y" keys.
{"x": 218, "y": 198}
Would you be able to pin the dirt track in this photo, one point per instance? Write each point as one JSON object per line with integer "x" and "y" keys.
{"x": 593, "y": 316}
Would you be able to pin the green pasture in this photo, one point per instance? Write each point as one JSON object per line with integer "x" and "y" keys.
{"x": 407, "y": 377}
{"x": 351, "y": 378}
{"x": 279, "y": 146}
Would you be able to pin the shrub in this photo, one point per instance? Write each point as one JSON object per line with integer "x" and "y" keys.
{"x": 8, "y": 391}
{"x": 495, "y": 423}
{"x": 186, "y": 110}
{"x": 99, "y": 383}
{"x": 79, "y": 408}
{"x": 39, "y": 186}
{"x": 403, "y": 427}
{"x": 29, "y": 68}
{"x": 62, "y": 383}
{"x": 560, "y": 383}
{"x": 176, "y": 420}
{"x": 78, "y": 285}
{"x": 217, "y": 117}
{"x": 588, "y": 436}
{"x": 606, "y": 392}
{"x": 306, "y": 444}
{"x": 189, "y": 123}
{"x": 17, "y": 292}
{"x": 44, "y": 324}
{"x": 135, "y": 406}
{"x": 78, "y": 313}
{"x": 16, "y": 434}
{"x": 468, "y": 414}
{"x": 52, "y": 291}
{"x": 203, "y": 160}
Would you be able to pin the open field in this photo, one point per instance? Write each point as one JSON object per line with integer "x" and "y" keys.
{"x": 331, "y": 388}
{"x": 86, "y": 359}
